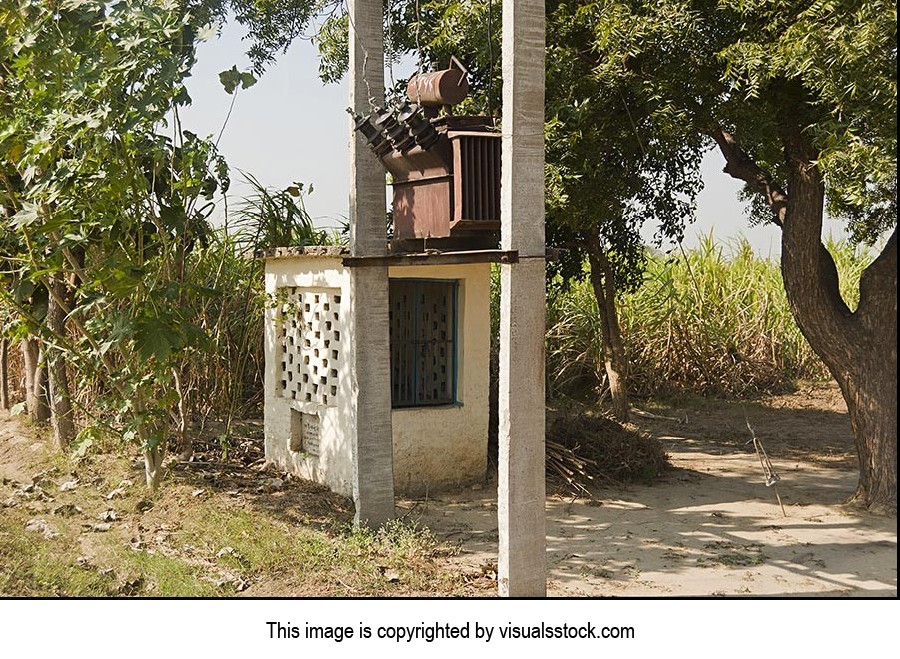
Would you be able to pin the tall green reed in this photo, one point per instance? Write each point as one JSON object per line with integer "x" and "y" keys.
{"x": 713, "y": 320}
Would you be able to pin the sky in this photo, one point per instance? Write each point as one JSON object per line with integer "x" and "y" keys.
{"x": 290, "y": 127}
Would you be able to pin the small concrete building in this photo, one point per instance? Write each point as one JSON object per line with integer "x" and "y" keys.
{"x": 439, "y": 367}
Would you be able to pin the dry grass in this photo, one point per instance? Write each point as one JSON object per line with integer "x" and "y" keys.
{"x": 709, "y": 321}
{"x": 216, "y": 528}
{"x": 586, "y": 450}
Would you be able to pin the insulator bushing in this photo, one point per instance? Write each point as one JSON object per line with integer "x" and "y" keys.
{"x": 420, "y": 128}
{"x": 395, "y": 131}
{"x": 370, "y": 131}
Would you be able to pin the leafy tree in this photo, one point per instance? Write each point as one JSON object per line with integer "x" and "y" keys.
{"x": 799, "y": 96}
{"x": 107, "y": 209}
{"x": 106, "y": 199}
{"x": 614, "y": 161}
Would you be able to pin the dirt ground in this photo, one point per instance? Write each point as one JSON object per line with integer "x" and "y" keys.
{"x": 709, "y": 526}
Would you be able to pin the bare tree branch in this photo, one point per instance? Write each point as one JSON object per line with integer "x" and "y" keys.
{"x": 739, "y": 165}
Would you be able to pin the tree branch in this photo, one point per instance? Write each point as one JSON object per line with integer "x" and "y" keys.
{"x": 880, "y": 275}
{"x": 739, "y": 165}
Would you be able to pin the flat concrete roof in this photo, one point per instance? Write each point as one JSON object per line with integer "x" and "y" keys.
{"x": 321, "y": 251}
{"x": 429, "y": 257}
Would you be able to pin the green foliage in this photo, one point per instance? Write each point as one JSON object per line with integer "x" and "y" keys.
{"x": 222, "y": 379}
{"x": 232, "y": 79}
{"x": 101, "y": 197}
{"x": 753, "y": 68}
{"x": 272, "y": 25}
{"x": 708, "y": 321}
{"x": 268, "y": 218}
{"x": 331, "y": 40}
{"x": 615, "y": 160}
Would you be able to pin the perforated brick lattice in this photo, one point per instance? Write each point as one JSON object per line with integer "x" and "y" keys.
{"x": 310, "y": 344}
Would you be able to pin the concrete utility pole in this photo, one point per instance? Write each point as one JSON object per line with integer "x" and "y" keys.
{"x": 372, "y": 448}
{"x": 521, "y": 488}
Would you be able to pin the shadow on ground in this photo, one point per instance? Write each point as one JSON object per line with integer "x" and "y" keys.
{"x": 710, "y": 525}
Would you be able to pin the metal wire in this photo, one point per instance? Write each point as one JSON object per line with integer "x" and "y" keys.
{"x": 768, "y": 468}
{"x": 490, "y": 40}
{"x": 372, "y": 104}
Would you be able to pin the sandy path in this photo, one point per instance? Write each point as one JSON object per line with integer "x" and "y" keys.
{"x": 711, "y": 526}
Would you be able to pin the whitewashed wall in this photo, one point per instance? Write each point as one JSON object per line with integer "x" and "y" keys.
{"x": 434, "y": 447}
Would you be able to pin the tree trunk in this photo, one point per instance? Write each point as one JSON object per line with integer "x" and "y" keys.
{"x": 614, "y": 358}
{"x": 861, "y": 354}
{"x": 4, "y": 374}
{"x": 184, "y": 445}
{"x": 29, "y": 366}
{"x": 35, "y": 399}
{"x": 61, "y": 414}
{"x": 858, "y": 347}
{"x": 873, "y": 416}
{"x": 153, "y": 466}
{"x": 153, "y": 444}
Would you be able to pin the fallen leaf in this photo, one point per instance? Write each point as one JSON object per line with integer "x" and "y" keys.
{"x": 108, "y": 516}
{"x": 42, "y": 495}
{"x": 68, "y": 485}
{"x": 489, "y": 570}
{"x": 130, "y": 587}
{"x": 226, "y": 551}
{"x": 42, "y": 475}
{"x": 118, "y": 492}
{"x": 269, "y": 484}
{"x": 102, "y": 527}
{"x": 236, "y": 583}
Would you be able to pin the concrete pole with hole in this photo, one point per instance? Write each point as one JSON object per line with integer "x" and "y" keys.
{"x": 521, "y": 488}
{"x": 371, "y": 441}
